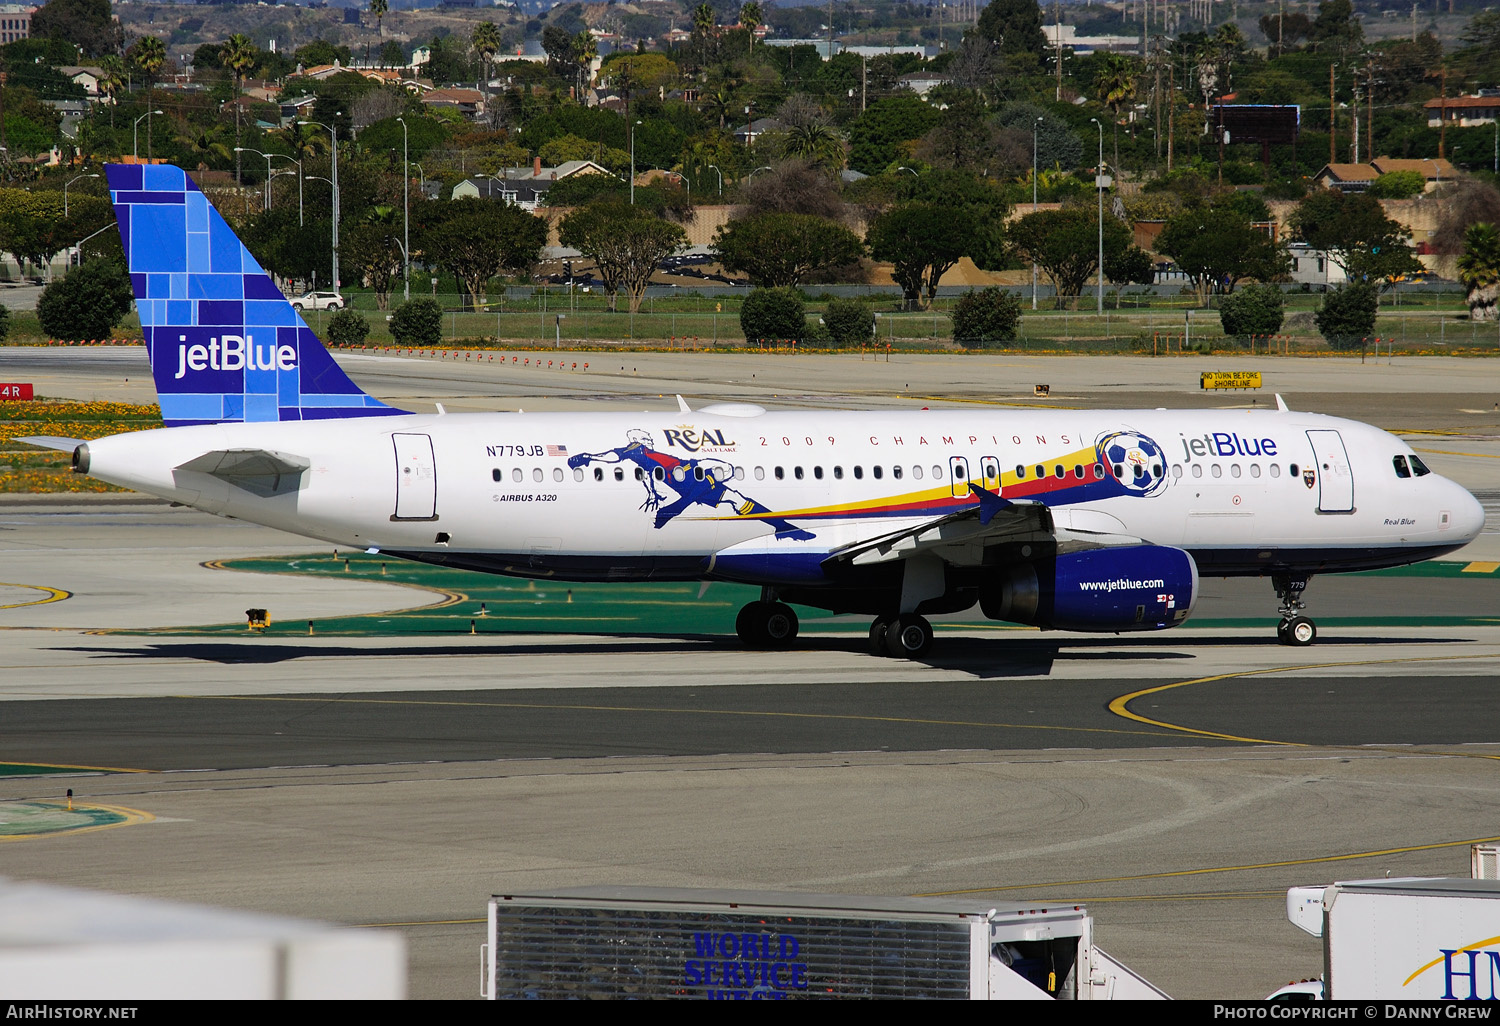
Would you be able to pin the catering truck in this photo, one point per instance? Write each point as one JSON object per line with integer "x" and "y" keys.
{"x": 1418, "y": 939}
{"x": 638, "y": 942}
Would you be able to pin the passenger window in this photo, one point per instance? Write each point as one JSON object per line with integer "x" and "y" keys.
{"x": 916, "y": 472}
{"x": 1255, "y": 470}
{"x": 859, "y": 473}
{"x": 598, "y": 473}
{"x": 1078, "y": 471}
{"x": 1292, "y": 470}
{"x": 1402, "y": 470}
{"x": 818, "y": 473}
{"x": 1020, "y": 472}
{"x": 1234, "y": 470}
{"x": 536, "y": 473}
{"x": 577, "y": 473}
{"x": 619, "y": 473}
{"x": 1417, "y": 466}
{"x": 895, "y": 472}
{"x": 640, "y": 475}
{"x": 679, "y": 474}
{"x": 497, "y": 475}
{"x": 760, "y": 473}
{"x": 557, "y": 474}
{"x": 1216, "y": 470}
{"x": 739, "y": 473}
{"x": 780, "y": 474}
{"x": 1041, "y": 471}
{"x": 1276, "y": 470}
{"x": 1098, "y": 471}
{"x": 659, "y": 473}
{"x": 1119, "y": 470}
{"x": 937, "y": 473}
{"x": 516, "y": 475}
{"x": 797, "y": 473}
{"x": 1197, "y": 470}
{"x": 1176, "y": 470}
{"x": 838, "y": 473}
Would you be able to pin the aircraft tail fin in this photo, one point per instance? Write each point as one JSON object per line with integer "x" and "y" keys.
{"x": 225, "y": 345}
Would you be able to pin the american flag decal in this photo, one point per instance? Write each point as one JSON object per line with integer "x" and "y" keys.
{"x": 557, "y": 450}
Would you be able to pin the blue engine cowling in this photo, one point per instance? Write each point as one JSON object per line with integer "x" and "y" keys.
{"x": 1130, "y": 588}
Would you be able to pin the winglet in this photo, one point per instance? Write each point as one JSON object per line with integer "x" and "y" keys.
{"x": 682, "y": 406}
{"x": 990, "y": 503}
{"x": 1281, "y": 404}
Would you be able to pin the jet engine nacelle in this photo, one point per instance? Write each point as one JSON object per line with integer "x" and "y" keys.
{"x": 1129, "y": 588}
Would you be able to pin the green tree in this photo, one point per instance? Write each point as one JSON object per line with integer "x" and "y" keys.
{"x": 817, "y": 143}
{"x": 418, "y": 323}
{"x": 475, "y": 240}
{"x": 850, "y": 323}
{"x": 391, "y": 54}
{"x": 1130, "y": 266}
{"x": 625, "y": 243}
{"x": 88, "y": 24}
{"x": 4, "y": 321}
{"x": 111, "y": 81}
{"x": 981, "y": 318}
{"x": 1347, "y": 317}
{"x": 1355, "y": 232}
{"x": 1253, "y": 310}
{"x": 1217, "y": 247}
{"x": 1114, "y": 86}
{"x": 922, "y": 241}
{"x": 372, "y": 255}
{"x": 347, "y": 328}
{"x": 1065, "y": 245}
{"x": 1015, "y": 25}
{"x": 773, "y": 315}
{"x": 1335, "y": 29}
{"x": 32, "y": 225}
{"x": 148, "y": 54}
{"x": 784, "y": 249}
{"x": 1397, "y": 185}
{"x": 87, "y": 303}
{"x": 1479, "y": 270}
{"x": 883, "y": 135}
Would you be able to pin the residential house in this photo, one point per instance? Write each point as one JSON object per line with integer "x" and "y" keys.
{"x": 1464, "y": 111}
{"x": 1357, "y": 177}
{"x": 468, "y": 102}
{"x": 746, "y": 134}
{"x": 526, "y": 187}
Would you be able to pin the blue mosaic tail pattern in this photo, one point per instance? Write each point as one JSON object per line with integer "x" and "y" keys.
{"x": 225, "y": 345}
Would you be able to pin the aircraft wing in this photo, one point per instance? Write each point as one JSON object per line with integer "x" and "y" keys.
{"x": 261, "y": 472}
{"x": 961, "y": 537}
{"x": 53, "y": 442}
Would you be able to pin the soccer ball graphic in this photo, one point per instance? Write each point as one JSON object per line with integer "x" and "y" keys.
{"x": 1135, "y": 461}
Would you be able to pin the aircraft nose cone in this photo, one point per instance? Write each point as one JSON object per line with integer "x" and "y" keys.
{"x": 1468, "y": 515}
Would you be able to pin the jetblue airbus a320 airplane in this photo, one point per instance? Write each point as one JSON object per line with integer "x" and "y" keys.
{"x": 1081, "y": 521}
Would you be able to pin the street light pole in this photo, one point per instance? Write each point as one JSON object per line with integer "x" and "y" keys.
{"x": 135, "y": 135}
{"x": 1099, "y": 187}
{"x": 405, "y": 214}
{"x": 69, "y": 182}
{"x": 334, "y": 133}
{"x": 265, "y": 203}
{"x": 715, "y": 169}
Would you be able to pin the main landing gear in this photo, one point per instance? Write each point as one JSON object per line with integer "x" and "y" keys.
{"x": 907, "y": 636}
{"x": 767, "y": 623}
{"x": 1294, "y": 628}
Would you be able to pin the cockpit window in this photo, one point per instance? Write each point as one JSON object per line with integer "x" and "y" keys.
{"x": 1417, "y": 466}
{"x": 1399, "y": 462}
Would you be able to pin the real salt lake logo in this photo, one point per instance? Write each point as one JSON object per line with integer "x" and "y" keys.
{"x": 233, "y": 353}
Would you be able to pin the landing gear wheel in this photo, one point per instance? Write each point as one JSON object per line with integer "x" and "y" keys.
{"x": 1298, "y": 631}
{"x": 779, "y": 625}
{"x": 749, "y": 623}
{"x": 878, "y": 631}
{"x": 908, "y": 637}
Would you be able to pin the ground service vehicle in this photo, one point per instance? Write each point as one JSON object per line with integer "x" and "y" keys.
{"x": 643, "y": 942}
{"x": 1417, "y": 939}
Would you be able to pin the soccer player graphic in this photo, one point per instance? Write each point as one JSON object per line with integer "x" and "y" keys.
{"x": 700, "y": 482}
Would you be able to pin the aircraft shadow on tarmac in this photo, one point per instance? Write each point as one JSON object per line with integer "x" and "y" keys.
{"x": 984, "y": 658}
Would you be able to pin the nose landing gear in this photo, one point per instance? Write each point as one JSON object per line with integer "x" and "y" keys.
{"x": 1294, "y": 628}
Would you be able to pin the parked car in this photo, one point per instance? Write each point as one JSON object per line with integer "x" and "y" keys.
{"x": 319, "y": 301}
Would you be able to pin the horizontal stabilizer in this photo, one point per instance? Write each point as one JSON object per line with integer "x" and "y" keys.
{"x": 52, "y": 442}
{"x": 258, "y": 471}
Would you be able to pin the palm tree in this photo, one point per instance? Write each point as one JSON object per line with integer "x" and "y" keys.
{"x": 379, "y": 8}
{"x": 149, "y": 54}
{"x": 1114, "y": 86}
{"x": 751, "y": 18}
{"x": 239, "y": 56}
{"x": 585, "y": 49}
{"x": 305, "y": 141}
{"x": 486, "y": 44}
{"x": 204, "y": 147}
{"x": 111, "y": 81}
{"x": 816, "y": 143}
{"x": 1479, "y": 270}
{"x": 703, "y": 19}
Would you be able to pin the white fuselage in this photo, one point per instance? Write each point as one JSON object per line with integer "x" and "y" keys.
{"x": 580, "y": 495}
